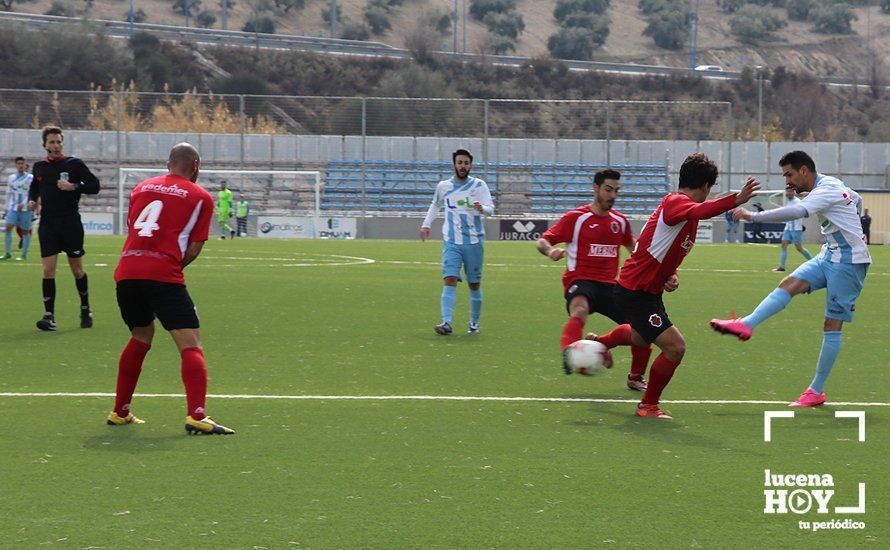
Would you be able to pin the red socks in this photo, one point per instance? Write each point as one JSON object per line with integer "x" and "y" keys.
{"x": 128, "y": 369}
{"x": 620, "y": 336}
{"x": 571, "y": 332}
{"x": 640, "y": 355}
{"x": 194, "y": 376}
{"x": 659, "y": 375}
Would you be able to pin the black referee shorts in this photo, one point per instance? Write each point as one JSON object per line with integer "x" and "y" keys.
{"x": 644, "y": 312}
{"x": 61, "y": 235}
{"x": 141, "y": 300}
{"x": 600, "y": 299}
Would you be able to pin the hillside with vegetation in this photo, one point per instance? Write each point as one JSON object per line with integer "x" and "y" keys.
{"x": 823, "y": 37}
{"x": 796, "y": 106}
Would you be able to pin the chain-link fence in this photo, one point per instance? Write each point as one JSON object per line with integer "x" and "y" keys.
{"x": 131, "y": 111}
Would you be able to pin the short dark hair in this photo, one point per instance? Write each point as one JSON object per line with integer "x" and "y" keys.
{"x": 47, "y": 130}
{"x": 797, "y": 159}
{"x": 607, "y": 174}
{"x": 464, "y": 152}
{"x": 19, "y": 159}
{"x": 698, "y": 171}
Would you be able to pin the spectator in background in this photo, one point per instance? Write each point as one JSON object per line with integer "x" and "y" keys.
{"x": 865, "y": 219}
{"x": 242, "y": 209}
{"x": 732, "y": 228}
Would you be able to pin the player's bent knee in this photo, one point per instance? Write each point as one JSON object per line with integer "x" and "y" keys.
{"x": 794, "y": 286}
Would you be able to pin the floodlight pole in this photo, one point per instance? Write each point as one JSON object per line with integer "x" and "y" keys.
{"x": 759, "y": 70}
{"x": 693, "y": 38}
{"x": 463, "y": 23}
{"x": 333, "y": 18}
{"x": 185, "y": 11}
{"x": 132, "y": 16}
{"x": 454, "y": 30}
{"x": 225, "y": 15}
{"x": 868, "y": 55}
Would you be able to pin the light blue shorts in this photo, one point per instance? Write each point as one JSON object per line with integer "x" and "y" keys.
{"x": 21, "y": 218}
{"x": 794, "y": 237}
{"x": 469, "y": 256}
{"x": 843, "y": 283}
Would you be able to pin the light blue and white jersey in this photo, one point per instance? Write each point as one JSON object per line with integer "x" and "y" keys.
{"x": 836, "y": 207}
{"x": 794, "y": 225}
{"x": 17, "y": 187}
{"x": 463, "y": 223}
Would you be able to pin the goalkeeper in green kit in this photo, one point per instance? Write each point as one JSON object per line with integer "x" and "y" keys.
{"x": 224, "y": 202}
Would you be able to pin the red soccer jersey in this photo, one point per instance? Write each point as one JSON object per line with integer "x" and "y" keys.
{"x": 592, "y": 244}
{"x": 167, "y": 213}
{"x": 666, "y": 239}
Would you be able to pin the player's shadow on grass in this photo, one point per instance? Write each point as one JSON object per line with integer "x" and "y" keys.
{"x": 36, "y": 334}
{"x": 666, "y": 431}
{"x": 129, "y": 440}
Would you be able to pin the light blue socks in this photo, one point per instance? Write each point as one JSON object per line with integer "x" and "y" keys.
{"x": 806, "y": 254}
{"x": 831, "y": 347}
{"x": 475, "y": 305}
{"x": 449, "y": 297}
{"x": 9, "y": 241}
{"x": 26, "y": 242}
{"x": 783, "y": 257}
{"x": 772, "y": 304}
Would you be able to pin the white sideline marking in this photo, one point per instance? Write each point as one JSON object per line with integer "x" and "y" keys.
{"x": 438, "y": 398}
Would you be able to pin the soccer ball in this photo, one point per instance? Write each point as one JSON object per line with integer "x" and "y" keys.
{"x": 587, "y": 357}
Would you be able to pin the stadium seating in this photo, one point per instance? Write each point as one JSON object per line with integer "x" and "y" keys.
{"x": 518, "y": 188}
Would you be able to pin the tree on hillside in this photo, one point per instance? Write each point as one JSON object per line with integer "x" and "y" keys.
{"x": 263, "y": 23}
{"x": 885, "y": 6}
{"x": 835, "y": 18}
{"x": 287, "y": 5}
{"x": 799, "y": 10}
{"x": 480, "y": 8}
{"x": 597, "y": 24}
{"x": 193, "y": 7}
{"x": 205, "y": 19}
{"x": 566, "y": 7}
{"x": 572, "y": 43}
{"x": 377, "y": 17}
{"x": 351, "y": 30}
{"x": 328, "y": 17}
{"x": 508, "y": 24}
{"x": 63, "y": 9}
{"x": 669, "y": 28}
{"x": 731, "y": 6}
{"x": 753, "y": 24}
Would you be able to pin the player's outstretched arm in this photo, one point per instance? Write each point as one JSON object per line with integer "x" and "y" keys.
{"x": 747, "y": 191}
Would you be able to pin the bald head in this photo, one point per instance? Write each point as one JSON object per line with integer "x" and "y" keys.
{"x": 184, "y": 161}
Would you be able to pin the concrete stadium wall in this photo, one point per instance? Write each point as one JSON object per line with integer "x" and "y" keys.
{"x": 861, "y": 165}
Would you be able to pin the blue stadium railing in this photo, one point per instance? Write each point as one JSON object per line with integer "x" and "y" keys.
{"x": 403, "y": 186}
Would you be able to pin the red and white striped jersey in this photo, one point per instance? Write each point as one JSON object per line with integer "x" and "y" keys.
{"x": 666, "y": 239}
{"x": 592, "y": 243}
{"x": 166, "y": 214}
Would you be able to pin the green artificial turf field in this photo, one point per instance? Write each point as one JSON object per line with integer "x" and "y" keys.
{"x": 294, "y": 331}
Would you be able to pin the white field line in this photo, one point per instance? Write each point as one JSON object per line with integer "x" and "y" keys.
{"x": 436, "y": 398}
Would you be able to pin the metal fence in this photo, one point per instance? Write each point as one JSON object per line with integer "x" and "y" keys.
{"x": 127, "y": 111}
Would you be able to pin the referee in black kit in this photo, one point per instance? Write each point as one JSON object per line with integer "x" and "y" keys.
{"x": 58, "y": 183}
